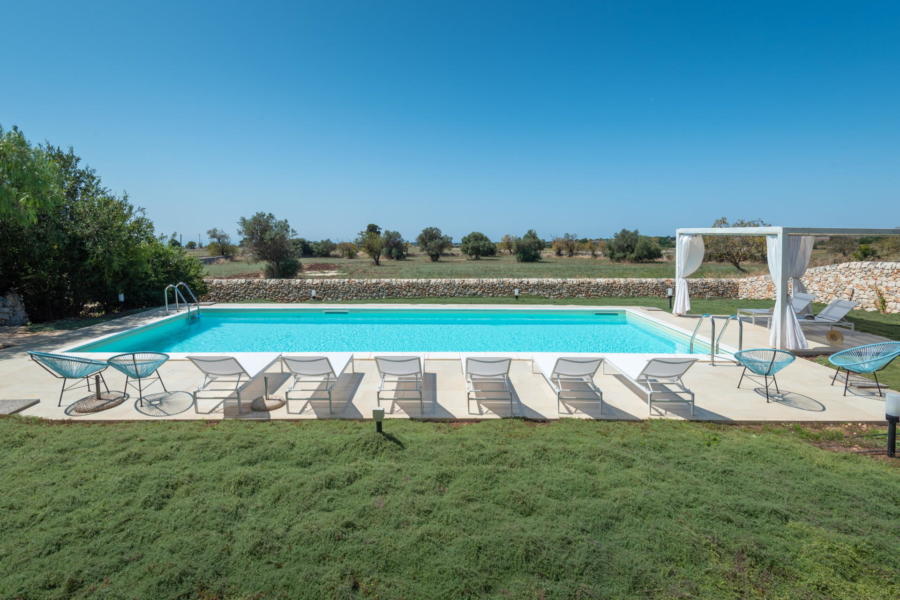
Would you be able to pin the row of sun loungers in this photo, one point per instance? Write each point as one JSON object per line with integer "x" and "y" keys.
{"x": 572, "y": 378}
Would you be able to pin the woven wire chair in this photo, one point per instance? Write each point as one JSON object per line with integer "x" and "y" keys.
{"x": 764, "y": 361}
{"x": 66, "y": 367}
{"x": 868, "y": 359}
{"x": 139, "y": 365}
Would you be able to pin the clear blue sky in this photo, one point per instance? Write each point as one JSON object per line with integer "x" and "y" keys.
{"x": 492, "y": 116}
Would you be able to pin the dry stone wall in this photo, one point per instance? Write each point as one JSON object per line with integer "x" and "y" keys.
{"x": 862, "y": 282}
{"x": 299, "y": 290}
{"x": 867, "y": 283}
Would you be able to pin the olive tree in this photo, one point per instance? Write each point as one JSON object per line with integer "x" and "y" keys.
{"x": 736, "y": 249}
{"x": 371, "y": 242}
{"x": 433, "y": 243}
{"x": 529, "y": 247}
{"x": 269, "y": 239}
{"x": 476, "y": 244}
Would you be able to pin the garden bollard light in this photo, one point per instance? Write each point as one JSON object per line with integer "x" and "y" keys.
{"x": 892, "y": 414}
{"x": 378, "y": 415}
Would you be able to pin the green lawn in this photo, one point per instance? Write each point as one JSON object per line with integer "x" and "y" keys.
{"x": 491, "y": 510}
{"x": 419, "y": 266}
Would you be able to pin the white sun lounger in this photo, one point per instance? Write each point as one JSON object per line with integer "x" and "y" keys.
{"x": 658, "y": 378}
{"x": 571, "y": 377}
{"x": 400, "y": 375}
{"x": 315, "y": 373}
{"x": 237, "y": 369}
{"x": 833, "y": 314}
{"x": 799, "y": 302}
{"x": 487, "y": 378}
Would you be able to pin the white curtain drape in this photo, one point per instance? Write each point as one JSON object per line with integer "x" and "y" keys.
{"x": 799, "y": 248}
{"x": 689, "y": 251}
{"x": 784, "y": 329}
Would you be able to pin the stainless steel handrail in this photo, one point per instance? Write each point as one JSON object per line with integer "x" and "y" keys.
{"x": 178, "y": 296}
{"x": 714, "y": 340}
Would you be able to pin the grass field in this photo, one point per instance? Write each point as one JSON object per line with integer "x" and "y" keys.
{"x": 418, "y": 266}
{"x": 491, "y": 510}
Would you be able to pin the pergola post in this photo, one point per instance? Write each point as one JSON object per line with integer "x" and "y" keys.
{"x": 777, "y": 335}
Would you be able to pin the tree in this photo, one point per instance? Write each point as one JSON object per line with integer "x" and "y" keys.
{"x": 220, "y": 243}
{"x": 433, "y": 243}
{"x": 30, "y": 181}
{"x": 323, "y": 248}
{"x": 395, "y": 247}
{"x": 529, "y": 247}
{"x": 647, "y": 249}
{"x": 507, "y": 244}
{"x": 87, "y": 248}
{"x": 476, "y": 244}
{"x": 589, "y": 246}
{"x": 622, "y": 246}
{"x": 269, "y": 239}
{"x": 371, "y": 242}
{"x": 191, "y": 245}
{"x": 566, "y": 244}
{"x": 347, "y": 250}
{"x": 736, "y": 249}
{"x": 174, "y": 241}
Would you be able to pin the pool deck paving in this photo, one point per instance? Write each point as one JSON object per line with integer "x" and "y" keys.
{"x": 806, "y": 391}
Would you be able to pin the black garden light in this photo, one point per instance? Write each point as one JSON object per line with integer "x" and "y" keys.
{"x": 378, "y": 415}
{"x": 516, "y": 293}
{"x": 892, "y": 414}
{"x": 669, "y": 294}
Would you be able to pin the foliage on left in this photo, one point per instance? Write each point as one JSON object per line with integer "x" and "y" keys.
{"x": 70, "y": 244}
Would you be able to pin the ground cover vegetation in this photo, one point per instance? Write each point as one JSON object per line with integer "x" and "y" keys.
{"x": 70, "y": 245}
{"x": 505, "y": 509}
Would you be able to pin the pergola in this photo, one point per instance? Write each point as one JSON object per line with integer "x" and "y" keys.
{"x": 788, "y": 252}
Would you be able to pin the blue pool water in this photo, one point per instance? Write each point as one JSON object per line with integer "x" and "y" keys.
{"x": 380, "y": 330}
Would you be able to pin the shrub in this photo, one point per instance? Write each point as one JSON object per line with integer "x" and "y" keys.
{"x": 433, "y": 243}
{"x": 476, "y": 244}
{"x": 647, "y": 249}
{"x": 395, "y": 247}
{"x": 323, "y": 248}
{"x": 865, "y": 252}
{"x": 214, "y": 249}
{"x": 286, "y": 268}
{"x": 631, "y": 246}
{"x": 347, "y": 250}
{"x": 191, "y": 245}
{"x": 302, "y": 248}
{"x": 529, "y": 247}
{"x": 622, "y": 246}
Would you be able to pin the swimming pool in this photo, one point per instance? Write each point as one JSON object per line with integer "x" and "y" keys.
{"x": 399, "y": 330}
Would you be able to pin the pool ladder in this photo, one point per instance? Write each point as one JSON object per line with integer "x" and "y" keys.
{"x": 716, "y": 339}
{"x": 180, "y": 299}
